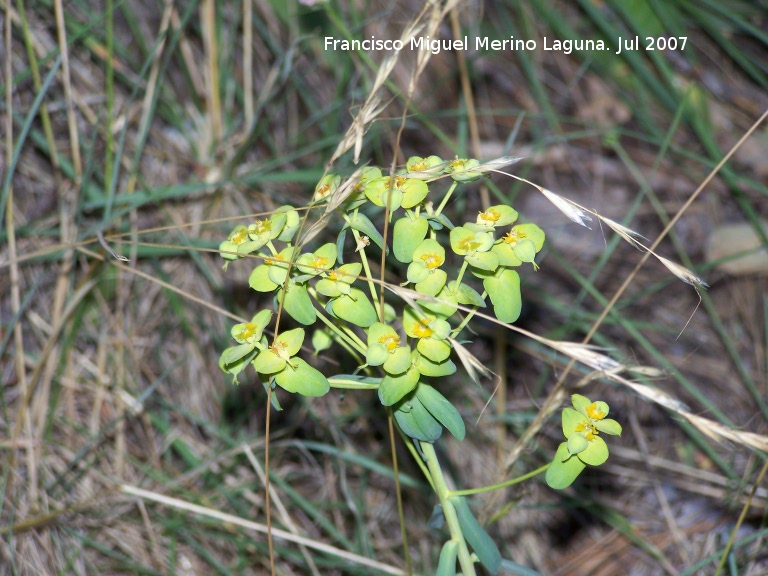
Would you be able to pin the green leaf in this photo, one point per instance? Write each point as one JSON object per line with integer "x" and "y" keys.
{"x": 525, "y": 250}
{"x": 289, "y": 343}
{"x": 498, "y": 215}
{"x": 298, "y": 304}
{"x": 433, "y": 283}
{"x": 414, "y": 191}
{"x": 531, "y": 232}
{"x": 476, "y": 536}
{"x": 434, "y": 350}
{"x": 571, "y": 419}
{"x": 459, "y": 169}
{"x": 439, "y": 221}
{"x": 362, "y": 223}
{"x": 446, "y": 307}
{"x": 393, "y": 388}
{"x": 580, "y": 403}
{"x": 398, "y": 361}
{"x": 236, "y": 366}
{"x": 378, "y": 191}
{"x": 577, "y": 443}
{"x": 426, "y": 367}
{"x": 483, "y": 260}
{"x": 416, "y": 422}
{"x": 461, "y": 240}
{"x": 277, "y": 223}
{"x": 326, "y": 187}
{"x": 259, "y": 279}
{"x": 340, "y": 239}
{"x": 564, "y": 468}
{"x": 328, "y": 288}
{"x": 439, "y": 406}
{"x": 355, "y": 308}
{"x": 267, "y": 362}
{"x": 292, "y": 223}
{"x": 273, "y": 399}
{"x": 504, "y": 292}
{"x": 446, "y": 565}
{"x": 408, "y": 233}
{"x": 235, "y": 353}
{"x": 609, "y": 427}
{"x": 506, "y": 254}
{"x": 417, "y": 272}
{"x": 303, "y": 379}
{"x": 376, "y": 354}
{"x": 321, "y": 260}
{"x": 321, "y": 340}
{"x": 595, "y": 453}
{"x": 277, "y": 266}
{"x": 466, "y": 294}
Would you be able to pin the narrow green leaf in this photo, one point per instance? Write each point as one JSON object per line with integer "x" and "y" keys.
{"x": 416, "y": 422}
{"x": 362, "y": 223}
{"x": 439, "y": 406}
{"x": 476, "y": 536}
{"x": 446, "y": 566}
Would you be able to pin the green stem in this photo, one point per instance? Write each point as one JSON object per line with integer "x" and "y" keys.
{"x": 461, "y": 273}
{"x": 455, "y": 332}
{"x": 368, "y": 276}
{"x": 512, "y": 482}
{"x": 410, "y": 444}
{"x": 344, "y": 333}
{"x": 451, "y": 518}
{"x": 347, "y": 384}
{"x": 446, "y": 198}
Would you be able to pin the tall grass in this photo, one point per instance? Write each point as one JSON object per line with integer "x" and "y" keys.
{"x": 148, "y": 132}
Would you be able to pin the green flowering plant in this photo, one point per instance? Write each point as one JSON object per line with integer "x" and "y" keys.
{"x": 584, "y": 446}
{"x": 404, "y": 349}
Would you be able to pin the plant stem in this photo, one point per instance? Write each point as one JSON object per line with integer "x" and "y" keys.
{"x": 464, "y": 265}
{"x": 467, "y": 318}
{"x": 368, "y": 276}
{"x": 505, "y": 484}
{"x": 444, "y": 494}
{"x": 347, "y": 335}
{"x": 446, "y": 198}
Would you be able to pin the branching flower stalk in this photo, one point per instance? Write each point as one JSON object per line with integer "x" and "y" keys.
{"x": 405, "y": 348}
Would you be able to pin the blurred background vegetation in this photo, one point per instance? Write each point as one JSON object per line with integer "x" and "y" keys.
{"x": 162, "y": 125}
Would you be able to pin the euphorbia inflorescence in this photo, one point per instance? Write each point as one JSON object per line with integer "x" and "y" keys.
{"x": 316, "y": 285}
{"x": 451, "y": 271}
{"x": 582, "y": 426}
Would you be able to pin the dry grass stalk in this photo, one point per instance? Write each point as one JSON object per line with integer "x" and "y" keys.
{"x": 261, "y": 528}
